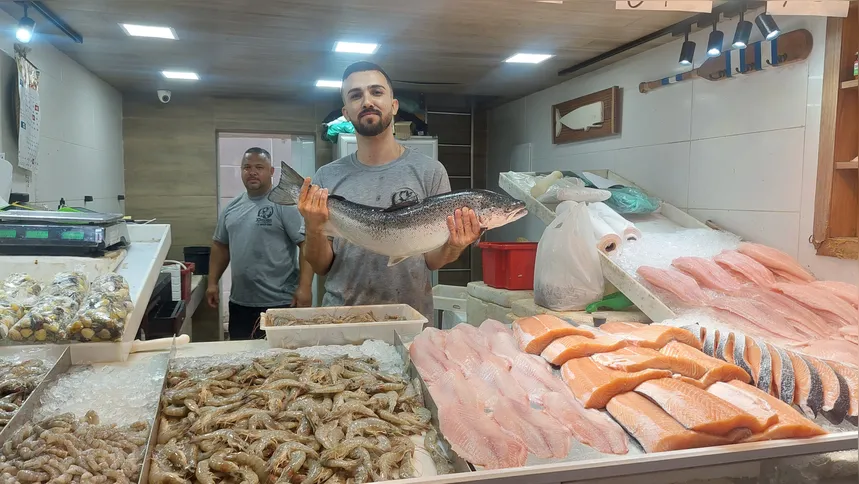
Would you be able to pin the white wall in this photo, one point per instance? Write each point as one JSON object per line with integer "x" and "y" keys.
{"x": 80, "y": 151}
{"x": 740, "y": 152}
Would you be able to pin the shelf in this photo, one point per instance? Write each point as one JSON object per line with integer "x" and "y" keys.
{"x": 850, "y": 84}
{"x": 847, "y": 165}
{"x": 448, "y": 113}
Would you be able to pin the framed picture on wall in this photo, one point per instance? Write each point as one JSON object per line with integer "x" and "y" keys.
{"x": 588, "y": 117}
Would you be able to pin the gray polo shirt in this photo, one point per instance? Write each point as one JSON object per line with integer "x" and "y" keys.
{"x": 263, "y": 237}
{"x": 358, "y": 276}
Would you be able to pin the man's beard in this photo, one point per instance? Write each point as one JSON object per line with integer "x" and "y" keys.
{"x": 374, "y": 129}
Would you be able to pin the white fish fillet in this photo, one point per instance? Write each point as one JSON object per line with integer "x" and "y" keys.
{"x": 544, "y": 436}
{"x": 590, "y": 427}
{"x": 477, "y": 438}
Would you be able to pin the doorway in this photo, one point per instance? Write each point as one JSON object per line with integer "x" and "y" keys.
{"x": 298, "y": 151}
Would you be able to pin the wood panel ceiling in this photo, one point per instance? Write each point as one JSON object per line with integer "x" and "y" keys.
{"x": 279, "y": 48}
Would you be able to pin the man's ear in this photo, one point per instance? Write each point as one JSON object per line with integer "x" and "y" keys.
{"x": 395, "y": 107}
{"x": 345, "y": 113}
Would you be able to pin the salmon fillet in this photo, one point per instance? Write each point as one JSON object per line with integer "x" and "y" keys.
{"x": 654, "y": 429}
{"x": 784, "y": 381}
{"x": 775, "y": 259}
{"x": 534, "y": 333}
{"x": 655, "y": 336}
{"x": 700, "y": 366}
{"x": 790, "y": 423}
{"x": 745, "y": 266}
{"x": 564, "y": 349}
{"x": 594, "y": 385}
{"x": 847, "y": 292}
{"x": 748, "y": 402}
{"x": 808, "y": 392}
{"x": 708, "y": 274}
{"x": 675, "y": 282}
{"x": 836, "y": 395}
{"x": 831, "y": 307}
{"x": 590, "y": 427}
{"x": 696, "y": 409}
{"x": 851, "y": 377}
{"x": 618, "y": 326}
{"x": 632, "y": 359}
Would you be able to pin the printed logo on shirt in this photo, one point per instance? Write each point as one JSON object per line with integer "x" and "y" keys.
{"x": 264, "y": 216}
{"x": 404, "y": 196}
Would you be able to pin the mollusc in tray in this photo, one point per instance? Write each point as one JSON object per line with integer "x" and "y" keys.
{"x": 668, "y": 219}
{"x": 385, "y": 318}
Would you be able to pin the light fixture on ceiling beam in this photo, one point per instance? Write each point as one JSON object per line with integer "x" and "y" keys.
{"x": 181, "y": 75}
{"x": 151, "y": 31}
{"x": 769, "y": 29}
{"x": 355, "y": 48}
{"x": 716, "y": 40}
{"x": 329, "y": 84}
{"x": 523, "y": 58}
{"x": 744, "y": 31}
{"x": 26, "y": 26}
{"x": 53, "y": 18}
{"x": 687, "y": 51}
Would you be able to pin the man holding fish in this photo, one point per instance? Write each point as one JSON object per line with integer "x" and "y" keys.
{"x": 377, "y": 222}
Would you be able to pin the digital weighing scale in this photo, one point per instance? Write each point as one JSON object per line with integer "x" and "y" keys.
{"x": 33, "y": 232}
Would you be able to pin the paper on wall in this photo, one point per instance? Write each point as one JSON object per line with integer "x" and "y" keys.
{"x": 29, "y": 115}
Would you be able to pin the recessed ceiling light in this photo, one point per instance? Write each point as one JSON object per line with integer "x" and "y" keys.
{"x": 529, "y": 58}
{"x": 332, "y": 84}
{"x": 149, "y": 31}
{"x": 355, "y": 47}
{"x": 187, "y": 76}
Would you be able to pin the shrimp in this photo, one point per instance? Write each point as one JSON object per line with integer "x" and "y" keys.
{"x": 243, "y": 459}
{"x": 204, "y": 473}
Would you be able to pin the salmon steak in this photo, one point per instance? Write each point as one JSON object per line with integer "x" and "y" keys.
{"x": 700, "y": 366}
{"x": 836, "y": 394}
{"x": 654, "y": 429}
{"x": 748, "y": 402}
{"x": 594, "y": 385}
{"x": 746, "y": 267}
{"x": 708, "y": 274}
{"x": 851, "y": 377}
{"x": 808, "y": 392}
{"x": 655, "y": 336}
{"x": 791, "y": 424}
{"x": 753, "y": 357}
{"x": 535, "y": 333}
{"x": 677, "y": 283}
{"x": 784, "y": 381}
{"x": 698, "y": 410}
{"x": 775, "y": 259}
{"x": 564, "y": 349}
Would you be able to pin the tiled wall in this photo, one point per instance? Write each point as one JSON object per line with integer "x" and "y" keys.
{"x": 740, "y": 152}
{"x": 80, "y": 150}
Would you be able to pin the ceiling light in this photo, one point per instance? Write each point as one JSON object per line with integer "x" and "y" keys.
{"x": 149, "y": 31}
{"x": 24, "y": 33}
{"x": 687, "y": 52}
{"x": 744, "y": 31}
{"x": 355, "y": 48}
{"x": 767, "y": 26}
{"x": 529, "y": 58}
{"x": 714, "y": 44}
{"x": 187, "y": 76}
{"x": 332, "y": 84}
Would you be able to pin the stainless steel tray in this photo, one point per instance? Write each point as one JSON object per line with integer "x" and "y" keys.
{"x": 41, "y": 217}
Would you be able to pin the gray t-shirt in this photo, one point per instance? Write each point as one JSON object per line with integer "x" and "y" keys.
{"x": 358, "y": 276}
{"x": 263, "y": 237}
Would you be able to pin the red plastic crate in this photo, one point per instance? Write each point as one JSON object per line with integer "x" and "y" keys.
{"x": 509, "y": 265}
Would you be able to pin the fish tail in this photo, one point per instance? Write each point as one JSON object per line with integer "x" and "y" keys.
{"x": 286, "y": 192}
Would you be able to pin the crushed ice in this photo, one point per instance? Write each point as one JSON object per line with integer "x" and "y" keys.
{"x": 121, "y": 393}
{"x": 659, "y": 249}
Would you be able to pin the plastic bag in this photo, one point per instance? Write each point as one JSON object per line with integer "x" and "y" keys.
{"x": 10, "y": 313}
{"x": 632, "y": 200}
{"x": 554, "y": 190}
{"x": 567, "y": 271}
{"x": 105, "y": 311}
{"x": 69, "y": 284}
{"x": 48, "y": 320}
{"x": 591, "y": 195}
{"x": 20, "y": 288}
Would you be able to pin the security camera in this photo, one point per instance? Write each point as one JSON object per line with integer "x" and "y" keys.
{"x": 164, "y": 95}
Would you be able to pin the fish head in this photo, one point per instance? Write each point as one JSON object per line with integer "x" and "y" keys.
{"x": 497, "y": 210}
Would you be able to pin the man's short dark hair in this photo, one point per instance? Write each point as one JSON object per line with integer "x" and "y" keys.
{"x": 259, "y": 152}
{"x": 364, "y": 66}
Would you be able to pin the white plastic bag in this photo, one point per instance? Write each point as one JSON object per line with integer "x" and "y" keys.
{"x": 567, "y": 272}
{"x": 552, "y": 193}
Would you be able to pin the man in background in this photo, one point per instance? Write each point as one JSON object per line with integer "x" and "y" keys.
{"x": 382, "y": 173}
{"x": 259, "y": 238}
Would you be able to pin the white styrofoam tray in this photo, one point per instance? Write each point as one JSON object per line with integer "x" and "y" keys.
{"x": 448, "y": 298}
{"x": 341, "y": 334}
{"x": 668, "y": 219}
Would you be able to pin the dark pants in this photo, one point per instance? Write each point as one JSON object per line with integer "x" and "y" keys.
{"x": 244, "y": 322}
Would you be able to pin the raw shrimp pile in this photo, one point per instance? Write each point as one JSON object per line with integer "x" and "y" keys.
{"x": 17, "y": 381}
{"x": 65, "y": 449}
{"x": 287, "y": 418}
{"x": 329, "y": 319}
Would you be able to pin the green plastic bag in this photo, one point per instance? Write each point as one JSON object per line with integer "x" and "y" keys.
{"x": 335, "y": 128}
{"x": 632, "y": 200}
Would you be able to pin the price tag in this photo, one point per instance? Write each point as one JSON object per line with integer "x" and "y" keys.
{"x": 701, "y": 6}
{"x": 822, "y": 8}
